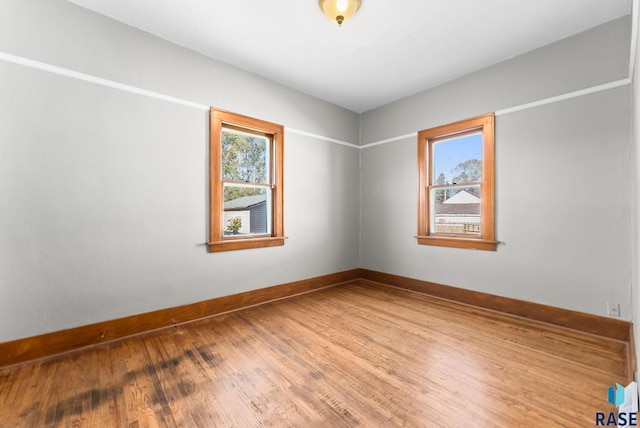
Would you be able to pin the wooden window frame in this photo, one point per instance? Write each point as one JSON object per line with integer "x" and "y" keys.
{"x": 426, "y": 138}
{"x": 275, "y": 133}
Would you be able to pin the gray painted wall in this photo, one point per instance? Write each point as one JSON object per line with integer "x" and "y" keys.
{"x": 105, "y": 201}
{"x": 104, "y": 197}
{"x": 564, "y": 178}
{"x": 597, "y": 56}
{"x": 635, "y": 198}
{"x": 65, "y": 35}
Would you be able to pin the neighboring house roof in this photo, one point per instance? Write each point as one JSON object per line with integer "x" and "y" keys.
{"x": 463, "y": 197}
{"x": 244, "y": 202}
{"x": 457, "y": 209}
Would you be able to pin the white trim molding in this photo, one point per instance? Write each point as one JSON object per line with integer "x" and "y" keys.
{"x": 321, "y": 137}
{"x": 567, "y": 96}
{"x": 14, "y": 59}
{"x": 7, "y": 57}
{"x": 634, "y": 37}
{"x": 97, "y": 80}
{"x": 389, "y": 140}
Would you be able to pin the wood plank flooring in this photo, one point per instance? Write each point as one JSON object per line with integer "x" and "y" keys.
{"x": 351, "y": 355}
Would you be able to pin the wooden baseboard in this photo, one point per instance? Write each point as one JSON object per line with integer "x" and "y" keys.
{"x": 587, "y": 323}
{"x": 46, "y": 345}
{"x": 632, "y": 357}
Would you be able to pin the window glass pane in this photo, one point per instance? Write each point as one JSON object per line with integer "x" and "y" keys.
{"x": 456, "y": 210}
{"x": 458, "y": 160}
{"x": 245, "y": 157}
{"x": 247, "y": 210}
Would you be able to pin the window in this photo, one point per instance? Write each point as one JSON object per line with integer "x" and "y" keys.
{"x": 456, "y": 185}
{"x": 246, "y": 182}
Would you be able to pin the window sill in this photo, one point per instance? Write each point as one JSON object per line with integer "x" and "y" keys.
{"x": 458, "y": 242}
{"x": 245, "y": 244}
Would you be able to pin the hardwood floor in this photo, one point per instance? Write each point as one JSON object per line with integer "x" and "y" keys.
{"x": 352, "y": 355}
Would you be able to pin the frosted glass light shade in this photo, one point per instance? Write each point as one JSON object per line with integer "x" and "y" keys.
{"x": 339, "y": 11}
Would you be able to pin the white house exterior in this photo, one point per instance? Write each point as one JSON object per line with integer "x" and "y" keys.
{"x": 458, "y": 214}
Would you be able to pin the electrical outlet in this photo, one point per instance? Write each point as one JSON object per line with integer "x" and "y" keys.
{"x": 613, "y": 309}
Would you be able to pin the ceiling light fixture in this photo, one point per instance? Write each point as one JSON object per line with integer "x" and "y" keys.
{"x": 339, "y": 11}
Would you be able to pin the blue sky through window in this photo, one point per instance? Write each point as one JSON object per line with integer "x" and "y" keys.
{"x": 449, "y": 153}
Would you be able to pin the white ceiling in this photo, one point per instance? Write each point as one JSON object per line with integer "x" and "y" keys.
{"x": 389, "y": 50}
